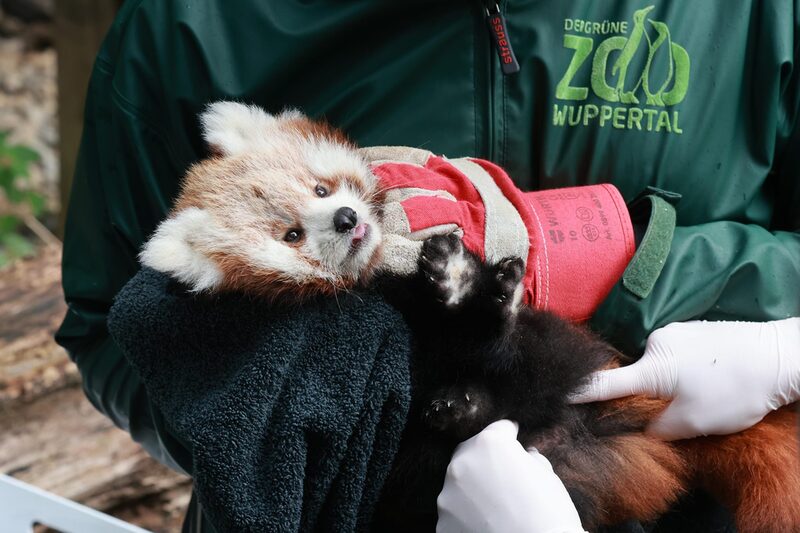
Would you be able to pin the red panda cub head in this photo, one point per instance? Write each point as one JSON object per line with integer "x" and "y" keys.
{"x": 285, "y": 206}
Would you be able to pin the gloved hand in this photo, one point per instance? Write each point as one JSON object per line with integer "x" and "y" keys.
{"x": 493, "y": 484}
{"x": 722, "y": 377}
{"x": 576, "y": 241}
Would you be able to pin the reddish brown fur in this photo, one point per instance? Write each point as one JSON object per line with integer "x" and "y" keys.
{"x": 654, "y": 467}
{"x": 756, "y": 472}
{"x": 648, "y": 477}
{"x": 623, "y": 472}
{"x": 240, "y": 276}
{"x": 632, "y": 475}
{"x": 309, "y": 129}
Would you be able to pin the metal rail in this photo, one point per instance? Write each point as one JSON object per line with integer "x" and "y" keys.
{"x": 23, "y": 505}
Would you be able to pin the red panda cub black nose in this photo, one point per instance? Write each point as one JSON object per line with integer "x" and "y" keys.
{"x": 344, "y": 219}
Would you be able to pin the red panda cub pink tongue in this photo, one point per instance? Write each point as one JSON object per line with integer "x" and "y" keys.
{"x": 359, "y": 232}
{"x": 359, "y": 235}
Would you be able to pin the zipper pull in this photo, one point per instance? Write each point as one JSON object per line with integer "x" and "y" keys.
{"x": 497, "y": 27}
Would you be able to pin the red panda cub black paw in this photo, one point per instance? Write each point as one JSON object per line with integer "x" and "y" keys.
{"x": 451, "y": 272}
{"x": 460, "y": 410}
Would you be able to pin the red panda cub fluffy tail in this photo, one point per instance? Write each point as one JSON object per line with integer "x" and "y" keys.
{"x": 283, "y": 207}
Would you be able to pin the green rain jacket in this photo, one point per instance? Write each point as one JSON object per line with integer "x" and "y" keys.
{"x": 698, "y": 97}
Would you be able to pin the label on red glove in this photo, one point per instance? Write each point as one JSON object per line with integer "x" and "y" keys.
{"x": 584, "y": 244}
{"x": 581, "y": 241}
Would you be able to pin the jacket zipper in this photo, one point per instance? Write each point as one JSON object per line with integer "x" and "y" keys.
{"x": 502, "y": 44}
{"x": 495, "y": 22}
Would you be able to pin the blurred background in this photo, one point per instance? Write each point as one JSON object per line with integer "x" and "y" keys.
{"x": 50, "y": 436}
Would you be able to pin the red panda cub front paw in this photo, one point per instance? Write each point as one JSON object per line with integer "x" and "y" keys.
{"x": 449, "y": 270}
{"x": 505, "y": 285}
{"x": 460, "y": 411}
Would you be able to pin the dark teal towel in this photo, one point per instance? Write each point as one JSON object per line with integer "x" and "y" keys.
{"x": 293, "y": 417}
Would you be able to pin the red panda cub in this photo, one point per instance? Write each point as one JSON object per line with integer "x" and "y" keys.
{"x": 286, "y": 208}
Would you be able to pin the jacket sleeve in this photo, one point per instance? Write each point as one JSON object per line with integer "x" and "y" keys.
{"x": 122, "y": 186}
{"x": 724, "y": 270}
{"x": 715, "y": 271}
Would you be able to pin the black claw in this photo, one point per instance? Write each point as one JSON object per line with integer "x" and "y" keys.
{"x": 456, "y": 411}
{"x": 508, "y": 276}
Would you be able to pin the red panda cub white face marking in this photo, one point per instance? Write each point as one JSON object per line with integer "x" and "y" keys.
{"x": 285, "y": 206}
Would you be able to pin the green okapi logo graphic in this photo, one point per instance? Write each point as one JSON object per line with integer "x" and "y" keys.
{"x": 646, "y": 63}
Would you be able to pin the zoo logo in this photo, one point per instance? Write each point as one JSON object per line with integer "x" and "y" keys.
{"x": 647, "y": 38}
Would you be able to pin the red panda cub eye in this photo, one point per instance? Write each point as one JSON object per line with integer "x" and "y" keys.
{"x": 321, "y": 191}
{"x": 293, "y": 235}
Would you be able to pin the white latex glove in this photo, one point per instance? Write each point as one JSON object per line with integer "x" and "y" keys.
{"x": 722, "y": 377}
{"x": 494, "y": 485}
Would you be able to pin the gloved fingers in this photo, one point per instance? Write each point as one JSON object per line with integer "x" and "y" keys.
{"x": 494, "y": 485}
{"x": 426, "y": 233}
{"x": 394, "y": 175}
{"x": 687, "y": 419}
{"x": 404, "y": 193}
{"x": 611, "y": 384}
{"x": 377, "y": 155}
{"x": 491, "y": 444}
{"x": 683, "y": 420}
{"x": 424, "y": 212}
{"x": 540, "y": 460}
{"x": 551, "y": 489}
{"x": 675, "y": 423}
{"x": 501, "y": 431}
{"x": 395, "y": 221}
{"x": 502, "y": 428}
{"x": 400, "y": 254}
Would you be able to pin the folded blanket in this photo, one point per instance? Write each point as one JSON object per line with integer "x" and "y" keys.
{"x": 293, "y": 417}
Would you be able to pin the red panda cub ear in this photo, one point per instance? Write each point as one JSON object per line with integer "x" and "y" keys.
{"x": 231, "y": 128}
{"x": 181, "y": 246}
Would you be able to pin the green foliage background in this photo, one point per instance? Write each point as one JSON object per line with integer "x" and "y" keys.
{"x": 15, "y": 161}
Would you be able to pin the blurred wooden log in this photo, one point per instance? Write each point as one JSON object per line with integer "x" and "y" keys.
{"x": 31, "y": 308}
{"x": 61, "y": 444}
{"x": 50, "y": 435}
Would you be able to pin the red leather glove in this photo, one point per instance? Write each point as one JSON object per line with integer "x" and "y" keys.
{"x": 576, "y": 241}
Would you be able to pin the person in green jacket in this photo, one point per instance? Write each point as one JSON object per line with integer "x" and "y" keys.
{"x": 557, "y": 98}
